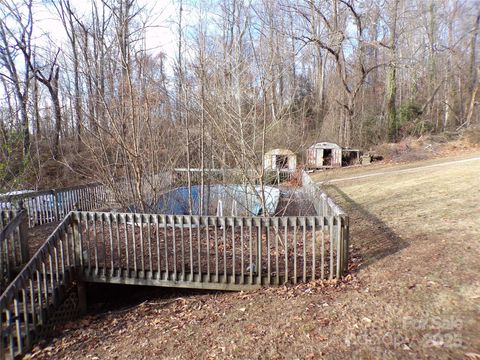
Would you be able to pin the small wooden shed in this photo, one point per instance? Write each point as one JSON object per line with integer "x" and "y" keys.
{"x": 324, "y": 155}
{"x": 280, "y": 159}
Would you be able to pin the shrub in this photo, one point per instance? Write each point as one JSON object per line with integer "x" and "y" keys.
{"x": 408, "y": 112}
{"x": 372, "y": 131}
{"x": 472, "y": 135}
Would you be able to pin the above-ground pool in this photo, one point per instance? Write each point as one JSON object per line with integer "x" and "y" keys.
{"x": 222, "y": 200}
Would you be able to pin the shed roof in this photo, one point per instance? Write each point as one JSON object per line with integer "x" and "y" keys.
{"x": 279, "y": 152}
{"x": 326, "y": 145}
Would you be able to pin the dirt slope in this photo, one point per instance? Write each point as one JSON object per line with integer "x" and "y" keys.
{"x": 415, "y": 294}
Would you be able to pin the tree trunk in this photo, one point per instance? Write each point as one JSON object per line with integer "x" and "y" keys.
{"x": 183, "y": 97}
{"x": 449, "y": 82}
{"x": 473, "y": 54}
{"x": 36, "y": 108}
{"x": 391, "y": 83}
{"x": 431, "y": 53}
{"x": 53, "y": 90}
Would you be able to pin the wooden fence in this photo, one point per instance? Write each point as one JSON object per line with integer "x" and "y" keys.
{"x": 5, "y": 217}
{"x": 325, "y": 206}
{"x": 227, "y": 253}
{"x": 32, "y": 297}
{"x": 221, "y": 253}
{"x": 48, "y": 206}
{"x": 13, "y": 244}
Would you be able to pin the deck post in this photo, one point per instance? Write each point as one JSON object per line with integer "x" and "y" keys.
{"x": 77, "y": 245}
{"x": 81, "y": 285}
{"x": 346, "y": 242}
{"x": 338, "y": 231}
{"x": 55, "y": 204}
{"x": 23, "y": 234}
{"x": 82, "y": 297}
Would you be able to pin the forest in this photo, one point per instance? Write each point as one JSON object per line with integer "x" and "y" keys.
{"x": 90, "y": 100}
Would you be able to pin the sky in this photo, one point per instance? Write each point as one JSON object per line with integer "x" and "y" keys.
{"x": 160, "y": 35}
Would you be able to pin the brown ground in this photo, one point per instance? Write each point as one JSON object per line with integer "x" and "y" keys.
{"x": 416, "y": 293}
{"x": 38, "y": 235}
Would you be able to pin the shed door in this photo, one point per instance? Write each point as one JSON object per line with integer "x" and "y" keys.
{"x": 318, "y": 157}
{"x": 311, "y": 160}
{"x": 281, "y": 162}
{"x": 337, "y": 157}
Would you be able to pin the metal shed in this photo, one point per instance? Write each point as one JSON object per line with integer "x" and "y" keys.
{"x": 280, "y": 159}
{"x": 324, "y": 155}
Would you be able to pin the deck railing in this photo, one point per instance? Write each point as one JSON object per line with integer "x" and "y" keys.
{"x": 223, "y": 253}
{"x": 32, "y": 297}
{"x": 5, "y": 217}
{"x": 326, "y": 206}
{"x": 230, "y": 253}
{"x": 13, "y": 244}
{"x": 48, "y": 206}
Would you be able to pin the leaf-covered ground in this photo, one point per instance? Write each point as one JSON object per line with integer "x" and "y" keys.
{"x": 414, "y": 293}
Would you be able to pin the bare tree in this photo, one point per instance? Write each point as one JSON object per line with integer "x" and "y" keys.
{"x": 50, "y": 79}
{"x": 17, "y": 39}
{"x": 67, "y": 15}
{"x": 391, "y": 83}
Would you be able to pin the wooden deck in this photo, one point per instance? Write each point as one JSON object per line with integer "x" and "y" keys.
{"x": 198, "y": 252}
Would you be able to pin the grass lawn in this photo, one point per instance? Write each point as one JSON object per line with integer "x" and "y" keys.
{"x": 416, "y": 292}
{"x": 419, "y": 236}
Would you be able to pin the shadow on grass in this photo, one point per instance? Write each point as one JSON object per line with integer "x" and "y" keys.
{"x": 370, "y": 236}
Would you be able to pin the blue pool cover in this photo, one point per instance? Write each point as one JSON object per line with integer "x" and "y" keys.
{"x": 235, "y": 200}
